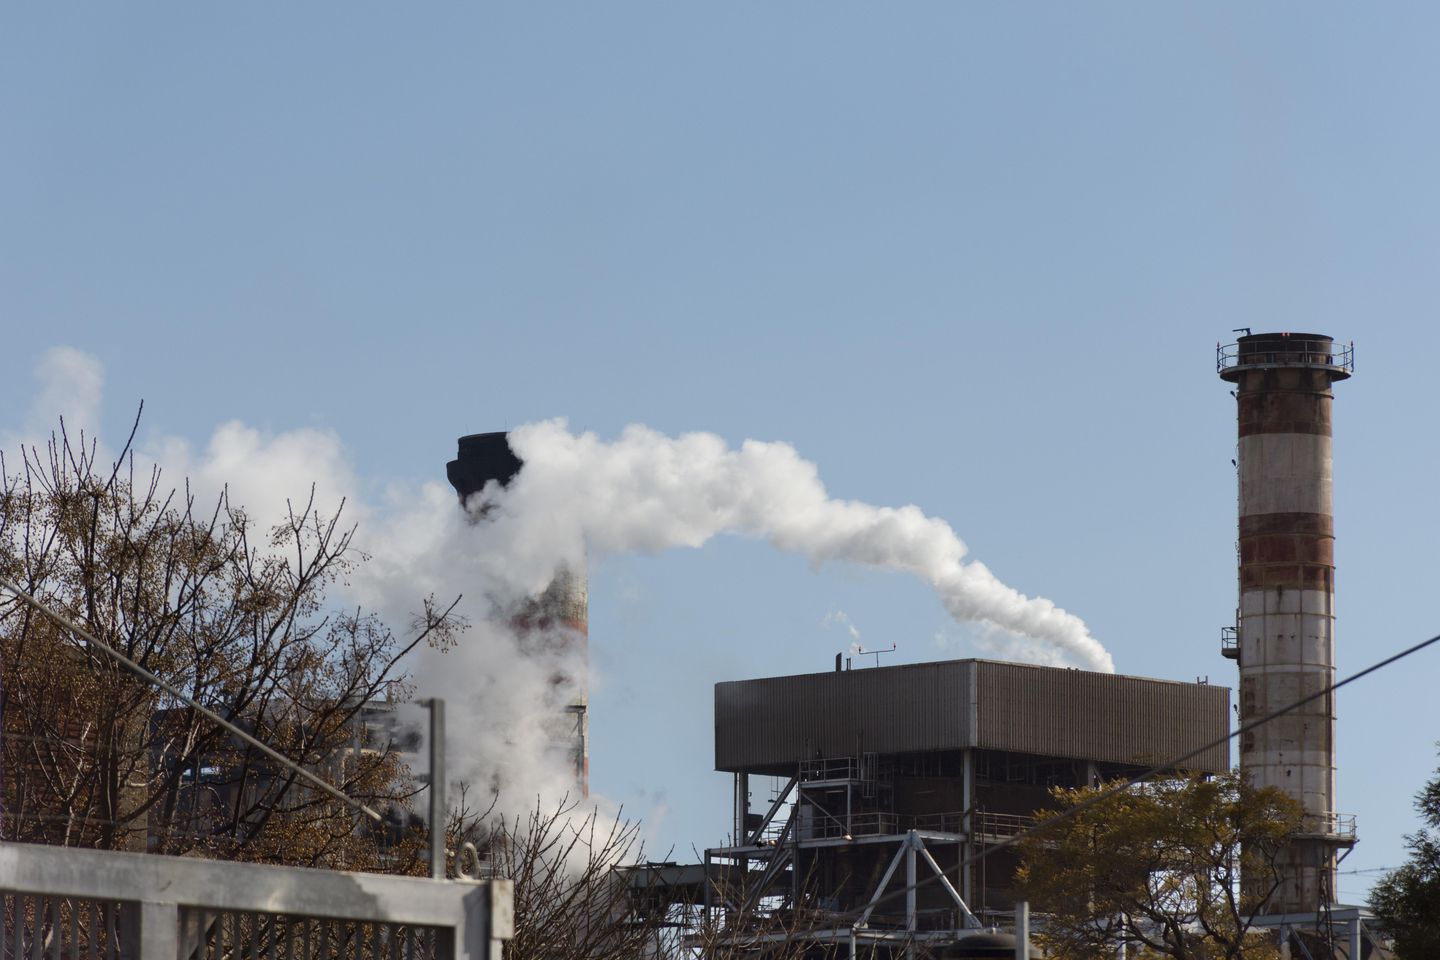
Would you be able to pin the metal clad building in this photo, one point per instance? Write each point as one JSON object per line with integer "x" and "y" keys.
{"x": 770, "y": 724}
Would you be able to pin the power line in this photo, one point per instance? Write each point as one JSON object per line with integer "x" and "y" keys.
{"x": 149, "y": 677}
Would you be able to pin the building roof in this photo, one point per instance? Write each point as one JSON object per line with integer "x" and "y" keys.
{"x": 769, "y": 725}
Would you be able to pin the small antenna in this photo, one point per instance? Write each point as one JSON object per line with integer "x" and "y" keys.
{"x": 861, "y": 651}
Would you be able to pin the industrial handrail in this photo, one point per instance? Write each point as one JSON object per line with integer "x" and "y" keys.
{"x": 1000, "y": 824}
{"x": 1338, "y": 825}
{"x": 882, "y": 823}
{"x": 870, "y": 824}
{"x": 1301, "y": 352}
{"x": 832, "y": 768}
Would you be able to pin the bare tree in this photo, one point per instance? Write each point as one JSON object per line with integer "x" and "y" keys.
{"x": 93, "y": 756}
{"x": 585, "y": 891}
{"x": 571, "y": 898}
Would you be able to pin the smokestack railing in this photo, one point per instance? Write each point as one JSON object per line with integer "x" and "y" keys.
{"x": 1299, "y": 352}
{"x": 1230, "y": 642}
{"x": 1339, "y": 827}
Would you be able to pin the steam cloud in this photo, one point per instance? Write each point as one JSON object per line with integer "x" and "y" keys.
{"x": 643, "y": 492}
{"x": 649, "y": 492}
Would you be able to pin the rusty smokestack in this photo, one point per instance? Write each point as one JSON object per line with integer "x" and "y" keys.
{"x": 558, "y": 615}
{"x": 1285, "y": 622}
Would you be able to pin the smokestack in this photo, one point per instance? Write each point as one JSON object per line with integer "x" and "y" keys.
{"x": 1285, "y": 623}
{"x": 558, "y": 615}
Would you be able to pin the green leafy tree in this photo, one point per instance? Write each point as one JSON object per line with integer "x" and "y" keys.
{"x": 1159, "y": 867}
{"x": 1407, "y": 900}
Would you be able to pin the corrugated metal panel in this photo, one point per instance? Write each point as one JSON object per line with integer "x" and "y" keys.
{"x": 782, "y": 720}
{"x": 1100, "y": 716}
{"x": 913, "y": 708}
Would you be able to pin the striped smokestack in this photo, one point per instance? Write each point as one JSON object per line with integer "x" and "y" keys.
{"x": 1285, "y": 626}
{"x": 558, "y": 615}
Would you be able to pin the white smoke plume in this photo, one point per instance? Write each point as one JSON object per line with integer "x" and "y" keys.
{"x": 265, "y": 474}
{"x": 649, "y": 492}
{"x": 505, "y": 694}
{"x": 643, "y": 492}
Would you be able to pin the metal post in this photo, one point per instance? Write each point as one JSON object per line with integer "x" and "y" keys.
{"x": 1357, "y": 940}
{"x": 1022, "y": 930}
{"x": 706, "y": 888}
{"x": 910, "y": 841}
{"x": 795, "y": 860}
{"x": 438, "y": 812}
{"x": 967, "y": 828}
{"x": 148, "y": 930}
{"x": 742, "y": 808}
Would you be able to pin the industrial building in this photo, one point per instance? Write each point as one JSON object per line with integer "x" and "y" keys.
{"x": 887, "y": 782}
{"x": 865, "y": 801}
{"x": 891, "y": 775}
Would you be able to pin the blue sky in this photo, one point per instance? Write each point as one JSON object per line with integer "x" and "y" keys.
{"x": 971, "y": 257}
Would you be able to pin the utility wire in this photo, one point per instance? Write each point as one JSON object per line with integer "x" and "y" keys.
{"x": 149, "y": 677}
{"x": 1126, "y": 785}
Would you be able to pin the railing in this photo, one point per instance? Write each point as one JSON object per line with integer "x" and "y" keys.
{"x": 1000, "y": 824}
{"x": 1337, "y": 826}
{"x": 1230, "y": 642}
{"x": 771, "y": 834}
{"x": 1297, "y": 352}
{"x": 60, "y": 903}
{"x": 834, "y": 768}
{"x": 982, "y": 824}
{"x": 953, "y": 822}
{"x": 872, "y": 824}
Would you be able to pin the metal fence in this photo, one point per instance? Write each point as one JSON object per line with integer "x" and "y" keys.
{"x": 60, "y": 903}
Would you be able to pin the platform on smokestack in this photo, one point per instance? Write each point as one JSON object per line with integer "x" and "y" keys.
{"x": 1273, "y": 350}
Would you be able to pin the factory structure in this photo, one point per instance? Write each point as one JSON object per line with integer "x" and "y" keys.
{"x": 1283, "y": 638}
{"x": 866, "y": 803}
{"x": 896, "y": 778}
